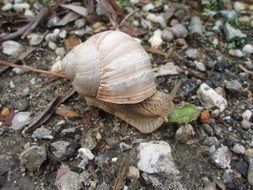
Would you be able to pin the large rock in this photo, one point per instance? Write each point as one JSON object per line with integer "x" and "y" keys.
{"x": 11, "y": 48}
{"x": 33, "y": 157}
{"x": 155, "y": 157}
{"x": 222, "y": 157}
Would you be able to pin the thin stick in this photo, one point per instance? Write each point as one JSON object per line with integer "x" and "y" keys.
{"x": 246, "y": 70}
{"x": 27, "y": 68}
{"x": 126, "y": 18}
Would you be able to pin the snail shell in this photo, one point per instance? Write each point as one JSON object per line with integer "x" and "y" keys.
{"x": 110, "y": 66}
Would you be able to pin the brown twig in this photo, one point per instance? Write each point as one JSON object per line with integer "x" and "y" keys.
{"x": 122, "y": 173}
{"x": 27, "y": 68}
{"x": 156, "y": 51}
{"x": 126, "y": 18}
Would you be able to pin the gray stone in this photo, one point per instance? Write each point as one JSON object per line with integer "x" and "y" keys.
{"x": 11, "y": 48}
{"x": 247, "y": 114}
{"x": 233, "y": 33}
{"x": 123, "y": 146}
{"x": 103, "y": 186}
{"x": 59, "y": 148}
{"x": 235, "y": 52}
{"x": 167, "y": 35}
{"x": 229, "y": 14}
{"x": 209, "y": 141}
{"x": 196, "y": 26}
{"x": 217, "y": 26}
{"x": 33, "y": 157}
{"x": 184, "y": 133}
{"x": 222, "y": 157}
{"x": 20, "y": 120}
{"x": 179, "y": 31}
{"x": 192, "y": 53}
{"x": 52, "y": 45}
{"x": 21, "y": 105}
{"x": 155, "y": 157}
{"x": 88, "y": 141}
{"x": 246, "y": 124}
{"x": 42, "y": 133}
{"x": 200, "y": 66}
{"x": 239, "y": 6}
{"x": 239, "y": 149}
{"x": 233, "y": 85}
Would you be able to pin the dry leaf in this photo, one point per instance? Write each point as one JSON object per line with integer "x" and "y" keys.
{"x": 71, "y": 42}
{"x": 205, "y": 116}
{"x": 66, "y": 112}
{"x": 167, "y": 69}
{"x": 70, "y": 17}
{"x": 76, "y": 8}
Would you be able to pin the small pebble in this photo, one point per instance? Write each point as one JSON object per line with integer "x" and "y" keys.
{"x": 29, "y": 12}
{"x": 148, "y": 7}
{"x": 233, "y": 33}
{"x": 85, "y": 153}
{"x": 239, "y": 149}
{"x": 235, "y": 53}
{"x": 33, "y": 157}
{"x": 35, "y": 39}
{"x": 247, "y": 115}
{"x": 156, "y": 19}
{"x": 59, "y": 148}
{"x": 229, "y": 14}
{"x": 246, "y": 124}
{"x": 167, "y": 35}
{"x": 20, "y": 120}
{"x": 52, "y": 45}
{"x": 42, "y": 133}
{"x": 247, "y": 50}
{"x": 196, "y": 26}
{"x": 11, "y": 48}
{"x": 80, "y": 23}
{"x": 239, "y": 6}
{"x": 179, "y": 31}
{"x": 200, "y": 66}
{"x": 222, "y": 157}
{"x": 184, "y": 133}
{"x": 60, "y": 51}
{"x": 63, "y": 34}
{"x": 192, "y": 53}
{"x": 7, "y": 7}
{"x": 156, "y": 40}
{"x": 133, "y": 173}
{"x": 210, "y": 98}
{"x": 115, "y": 159}
{"x": 19, "y": 7}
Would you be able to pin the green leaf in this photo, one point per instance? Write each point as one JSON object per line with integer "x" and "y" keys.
{"x": 185, "y": 114}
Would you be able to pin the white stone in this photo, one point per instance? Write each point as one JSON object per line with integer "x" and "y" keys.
{"x": 85, "y": 153}
{"x": 247, "y": 50}
{"x": 222, "y": 157}
{"x": 29, "y": 12}
{"x": 235, "y": 52}
{"x": 57, "y": 66}
{"x": 11, "y": 48}
{"x": 133, "y": 173}
{"x": 239, "y": 149}
{"x": 247, "y": 115}
{"x": 35, "y": 39}
{"x": 210, "y": 98}
{"x": 184, "y": 133}
{"x": 179, "y": 31}
{"x": 52, "y": 45}
{"x": 69, "y": 181}
{"x": 20, "y": 120}
{"x": 239, "y": 6}
{"x": 246, "y": 124}
{"x": 19, "y": 7}
{"x": 134, "y": 1}
{"x": 7, "y": 7}
{"x": 60, "y": 51}
{"x": 156, "y": 19}
{"x": 156, "y": 40}
{"x": 63, "y": 34}
{"x": 200, "y": 66}
{"x": 148, "y": 7}
{"x": 18, "y": 71}
{"x": 155, "y": 157}
{"x": 115, "y": 159}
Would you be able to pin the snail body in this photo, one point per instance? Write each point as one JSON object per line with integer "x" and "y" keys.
{"x": 113, "y": 72}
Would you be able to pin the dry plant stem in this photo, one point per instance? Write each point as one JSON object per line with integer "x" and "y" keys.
{"x": 246, "y": 70}
{"x": 27, "y": 68}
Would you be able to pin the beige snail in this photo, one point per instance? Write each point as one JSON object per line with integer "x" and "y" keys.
{"x": 113, "y": 71}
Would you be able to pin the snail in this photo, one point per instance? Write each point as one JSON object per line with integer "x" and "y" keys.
{"x": 113, "y": 72}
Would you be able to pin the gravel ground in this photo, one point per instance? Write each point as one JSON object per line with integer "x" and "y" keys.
{"x": 207, "y": 44}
